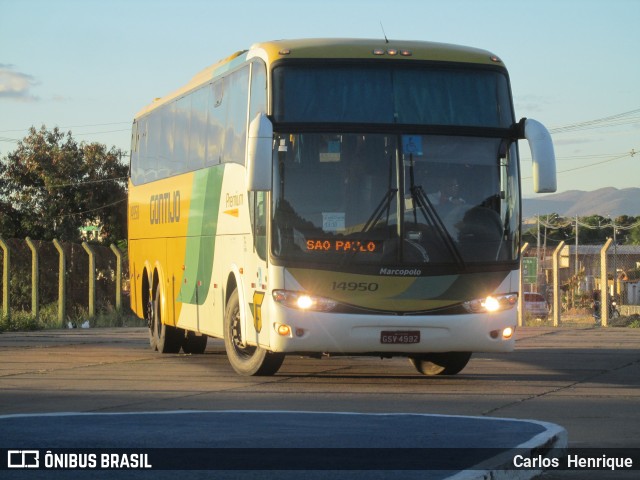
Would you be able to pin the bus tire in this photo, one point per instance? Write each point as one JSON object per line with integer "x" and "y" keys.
{"x": 194, "y": 344}
{"x": 162, "y": 337}
{"x": 445, "y": 363}
{"x": 246, "y": 359}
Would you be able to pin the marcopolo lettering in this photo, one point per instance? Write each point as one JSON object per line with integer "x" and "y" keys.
{"x": 401, "y": 272}
{"x": 164, "y": 208}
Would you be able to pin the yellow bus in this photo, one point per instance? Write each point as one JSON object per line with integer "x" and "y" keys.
{"x": 342, "y": 197}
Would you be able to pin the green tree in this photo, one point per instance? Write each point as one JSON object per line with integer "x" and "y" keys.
{"x": 624, "y": 225}
{"x": 553, "y": 228}
{"x": 9, "y": 217}
{"x": 592, "y": 230}
{"x": 633, "y": 237}
{"x": 51, "y": 186}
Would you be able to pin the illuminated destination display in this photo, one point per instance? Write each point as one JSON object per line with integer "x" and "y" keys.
{"x": 343, "y": 246}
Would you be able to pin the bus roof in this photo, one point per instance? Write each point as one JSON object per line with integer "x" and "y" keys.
{"x": 345, "y": 48}
{"x": 338, "y": 48}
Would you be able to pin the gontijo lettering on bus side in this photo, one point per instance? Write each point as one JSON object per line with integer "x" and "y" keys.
{"x": 164, "y": 208}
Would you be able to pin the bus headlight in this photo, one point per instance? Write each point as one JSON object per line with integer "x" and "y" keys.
{"x": 303, "y": 301}
{"x": 492, "y": 303}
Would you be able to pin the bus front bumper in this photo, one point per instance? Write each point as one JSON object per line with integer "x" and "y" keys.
{"x": 307, "y": 332}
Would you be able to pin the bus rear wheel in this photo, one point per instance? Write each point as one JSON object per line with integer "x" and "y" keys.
{"x": 162, "y": 337}
{"x": 445, "y": 363}
{"x": 246, "y": 359}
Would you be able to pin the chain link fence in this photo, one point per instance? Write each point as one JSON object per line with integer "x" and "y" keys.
{"x": 584, "y": 284}
{"x": 53, "y": 284}
{"x": 62, "y": 284}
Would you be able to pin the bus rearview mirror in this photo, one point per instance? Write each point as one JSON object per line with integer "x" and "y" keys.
{"x": 542, "y": 155}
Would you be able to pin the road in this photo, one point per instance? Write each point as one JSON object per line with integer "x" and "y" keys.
{"x": 585, "y": 379}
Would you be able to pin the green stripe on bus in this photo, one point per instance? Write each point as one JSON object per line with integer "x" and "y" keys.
{"x": 201, "y": 236}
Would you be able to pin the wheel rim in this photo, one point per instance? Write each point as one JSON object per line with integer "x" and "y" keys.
{"x": 241, "y": 350}
{"x": 155, "y": 321}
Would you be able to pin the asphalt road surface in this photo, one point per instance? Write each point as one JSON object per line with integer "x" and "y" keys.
{"x": 584, "y": 379}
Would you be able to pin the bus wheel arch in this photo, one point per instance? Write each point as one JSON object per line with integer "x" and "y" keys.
{"x": 145, "y": 298}
{"x": 245, "y": 359}
{"x": 440, "y": 363}
{"x": 232, "y": 284}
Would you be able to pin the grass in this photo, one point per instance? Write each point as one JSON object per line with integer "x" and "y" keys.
{"x": 630, "y": 321}
{"x": 22, "y": 321}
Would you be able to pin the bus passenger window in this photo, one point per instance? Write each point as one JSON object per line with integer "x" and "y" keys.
{"x": 257, "y": 211}
{"x": 217, "y": 115}
{"x": 236, "y": 125}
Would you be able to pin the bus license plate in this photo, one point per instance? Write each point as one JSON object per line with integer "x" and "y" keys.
{"x": 400, "y": 337}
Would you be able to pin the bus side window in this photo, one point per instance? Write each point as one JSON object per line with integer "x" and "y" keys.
{"x": 142, "y": 168}
{"x": 133, "y": 158}
{"x": 257, "y": 210}
{"x": 198, "y": 130}
{"x": 258, "y": 101}
{"x": 235, "y": 140}
{"x": 166, "y": 162}
{"x": 182, "y": 121}
{"x": 217, "y": 114}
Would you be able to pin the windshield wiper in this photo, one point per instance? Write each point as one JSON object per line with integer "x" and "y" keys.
{"x": 421, "y": 200}
{"x": 384, "y": 204}
{"x": 434, "y": 220}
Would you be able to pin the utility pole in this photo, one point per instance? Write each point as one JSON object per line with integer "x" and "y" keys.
{"x": 615, "y": 261}
{"x": 577, "y": 269}
{"x": 540, "y": 259}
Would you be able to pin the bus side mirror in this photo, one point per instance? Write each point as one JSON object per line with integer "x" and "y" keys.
{"x": 259, "y": 154}
{"x": 542, "y": 155}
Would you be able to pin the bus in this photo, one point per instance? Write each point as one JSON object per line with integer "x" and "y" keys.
{"x": 333, "y": 197}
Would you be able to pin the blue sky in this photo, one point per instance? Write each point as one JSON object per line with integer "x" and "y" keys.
{"x": 89, "y": 65}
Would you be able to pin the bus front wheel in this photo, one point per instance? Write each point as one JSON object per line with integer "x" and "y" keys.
{"x": 246, "y": 359}
{"x": 445, "y": 363}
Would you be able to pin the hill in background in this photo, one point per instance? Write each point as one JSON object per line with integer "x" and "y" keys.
{"x": 605, "y": 202}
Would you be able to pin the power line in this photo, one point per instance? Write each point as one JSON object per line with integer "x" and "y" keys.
{"x": 597, "y": 163}
{"x": 571, "y": 221}
{"x": 631, "y": 153}
{"x": 73, "y": 126}
{"x": 18, "y": 140}
{"x": 93, "y": 209}
{"x": 592, "y": 156}
{"x": 88, "y": 182}
{"x": 76, "y": 134}
{"x": 612, "y": 120}
{"x": 99, "y": 133}
{"x": 74, "y": 184}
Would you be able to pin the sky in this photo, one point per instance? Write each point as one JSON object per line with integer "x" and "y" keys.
{"x": 88, "y": 66}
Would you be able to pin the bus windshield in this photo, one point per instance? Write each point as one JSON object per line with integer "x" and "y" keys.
{"x": 377, "y": 199}
{"x": 392, "y": 94}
